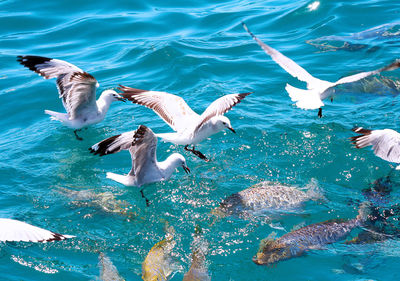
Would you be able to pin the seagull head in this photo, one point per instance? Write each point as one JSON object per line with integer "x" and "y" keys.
{"x": 180, "y": 161}
{"x": 222, "y": 122}
{"x": 112, "y": 95}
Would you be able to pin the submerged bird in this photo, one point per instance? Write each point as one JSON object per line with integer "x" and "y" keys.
{"x": 191, "y": 128}
{"x": 76, "y": 88}
{"x": 267, "y": 197}
{"x": 310, "y": 237}
{"x": 198, "y": 269}
{"x": 317, "y": 90}
{"x": 385, "y": 143}
{"x": 14, "y": 230}
{"x": 142, "y": 145}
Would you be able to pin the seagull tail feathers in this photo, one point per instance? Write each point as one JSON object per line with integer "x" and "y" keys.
{"x": 125, "y": 180}
{"x": 62, "y": 117}
{"x": 305, "y": 99}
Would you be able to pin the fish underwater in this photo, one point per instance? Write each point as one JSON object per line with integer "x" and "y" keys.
{"x": 157, "y": 264}
{"x": 311, "y": 237}
{"x": 198, "y": 269}
{"x": 267, "y": 197}
{"x": 104, "y": 201}
{"x": 108, "y": 272}
{"x": 386, "y": 33}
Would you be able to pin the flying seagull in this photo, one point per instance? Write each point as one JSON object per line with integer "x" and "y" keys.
{"x": 142, "y": 145}
{"x": 385, "y": 143}
{"x": 190, "y": 127}
{"x": 317, "y": 90}
{"x": 14, "y": 230}
{"x": 76, "y": 88}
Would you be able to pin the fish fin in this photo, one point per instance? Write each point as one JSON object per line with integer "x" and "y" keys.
{"x": 314, "y": 192}
{"x": 364, "y": 212}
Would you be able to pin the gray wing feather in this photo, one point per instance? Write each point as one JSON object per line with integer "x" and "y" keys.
{"x": 113, "y": 144}
{"x": 76, "y": 88}
{"x": 143, "y": 151}
{"x": 385, "y": 143}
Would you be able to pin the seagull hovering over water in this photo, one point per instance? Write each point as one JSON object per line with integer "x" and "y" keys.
{"x": 14, "y": 230}
{"x": 76, "y": 88}
{"x": 191, "y": 128}
{"x": 142, "y": 145}
{"x": 385, "y": 143}
{"x": 317, "y": 90}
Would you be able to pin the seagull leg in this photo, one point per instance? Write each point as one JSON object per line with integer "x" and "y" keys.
{"x": 76, "y": 135}
{"x": 197, "y": 153}
{"x": 145, "y": 198}
{"x": 320, "y": 112}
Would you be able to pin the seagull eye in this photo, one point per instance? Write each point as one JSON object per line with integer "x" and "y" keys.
{"x": 224, "y": 123}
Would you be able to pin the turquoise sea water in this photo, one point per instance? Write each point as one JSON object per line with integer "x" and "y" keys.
{"x": 198, "y": 50}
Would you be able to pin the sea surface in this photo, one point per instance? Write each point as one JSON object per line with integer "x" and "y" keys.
{"x": 199, "y": 51}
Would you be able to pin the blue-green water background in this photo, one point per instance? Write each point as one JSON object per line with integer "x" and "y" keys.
{"x": 198, "y": 50}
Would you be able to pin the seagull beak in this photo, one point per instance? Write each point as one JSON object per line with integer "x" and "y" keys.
{"x": 186, "y": 168}
{"x": 230, "y": 128}
{"x": 121, "y": 98}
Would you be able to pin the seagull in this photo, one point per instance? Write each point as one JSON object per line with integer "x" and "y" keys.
{"x": 14, "y": 230}
{"x": 142, "y": 145}
{"x": 317, "y": 90}
{"x": 191, "y": 128}
{"x": 385, "y": 143}
{"x": 76, "y": 88}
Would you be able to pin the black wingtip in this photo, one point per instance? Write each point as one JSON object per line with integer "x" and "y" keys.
{"x": 32, "y": 61}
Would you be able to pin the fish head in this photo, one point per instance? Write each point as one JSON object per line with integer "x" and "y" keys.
{"x": 271, "y": 251}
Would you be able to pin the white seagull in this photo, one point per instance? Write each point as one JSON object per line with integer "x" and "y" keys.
{"x": 76, "y": 88}
{"x": 191, "y": 128}
{"x": 14, "y": 230}
{"x": 317, "y": 90}
{"x": 385, "y": 143}
{"x": 142, "y": 145}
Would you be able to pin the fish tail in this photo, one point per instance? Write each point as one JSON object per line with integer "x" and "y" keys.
{"x": 363, "y": 212}
{"x": 314, "y": 192}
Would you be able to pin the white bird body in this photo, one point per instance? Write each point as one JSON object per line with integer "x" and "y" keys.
{"x": 14, "y": 230}
{"x": 385, "y": 143}
{"x": 317, "y": 89}
{"x": 191, "y": 128}
{"x": 142, "y": 145}
{"x": 77, "y": 89}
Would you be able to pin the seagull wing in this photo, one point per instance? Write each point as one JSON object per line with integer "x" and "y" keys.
{"x": 144, "y": 158}
{"x": 220, "y": 107}
{"x": 286, "y": 63}
{"x": 113, "y": 144}
{"x": 171, "y": 108}
{"x": 76, "y": 88}
{"x": 14, "y": 230}
{"x": 385, "y": 143}
{"x": 359, "y": 76}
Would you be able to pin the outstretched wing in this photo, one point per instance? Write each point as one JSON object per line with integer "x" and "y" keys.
{"x": 171, "y": 108}
{"x": 76, "y": 88}
{"x": 144, "y": 158}
{"x": 14, "y": 230}
{"x": 385, "y": 143}
{"x": 220, "y": 107}
{"x": 286, "y": 63}
{"x": 113, "y": 144}
{"x": 353, "y": 78}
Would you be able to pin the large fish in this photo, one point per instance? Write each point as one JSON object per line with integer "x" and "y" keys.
{"x": 105, "y": 201}
{"x": 108, "y": 272}
{"x": 267, "y": 197}
{"x": 198, "y": 269}
{"x": 157, "y": 265}
{"x": 310, "y": 237}
{"x": 360, "y": 40}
